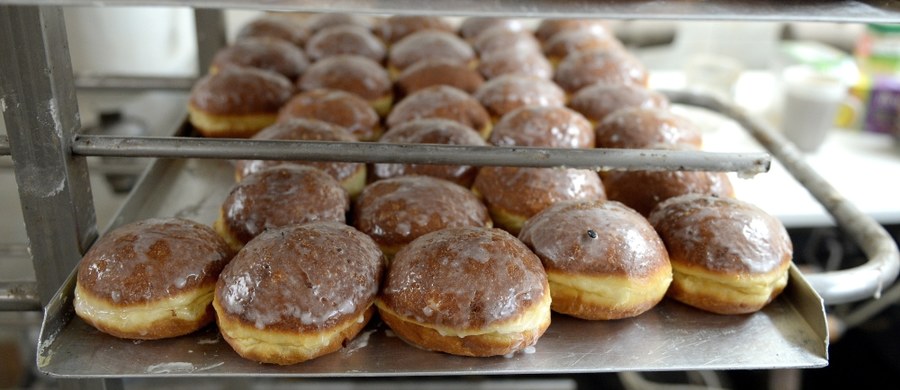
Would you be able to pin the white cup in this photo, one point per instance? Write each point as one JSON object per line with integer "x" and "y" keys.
{"x": 811, "y": 102}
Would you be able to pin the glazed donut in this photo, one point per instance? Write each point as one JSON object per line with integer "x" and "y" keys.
{"x": 237, "y": 102}
{"x": 275, "y": 26}
{"x": 466, "y": 291}
{"x": 643, "y": 128}
{"x": 337, "y": 107}
{"x": 442, "y": 102}
{"x": 345, "y": 39}
{"x": 429, "y": 44}
{"x": 597, "y": 101}
{"x": 319, "y": 22}
{"x": 270, "y": 54}
{"x": 396, "y": 211}
{"x": 643, "y": 190}
{"x": 603, "y": 260}
{"x": 279, "y": 196}
{"x": 430, "y": 131}
{"x": 513, "y": 194}
{"x": 355, "y": 74}
{"x": 506, "y": 93}
{"x": 515, "y": 61}
{"x": 352, "y": 176}
{"x": 552, "y": 127}
{"x": 562, "y": 44}
{"x": 548, "y": 28}
{"x": 581, "y": 69}
{"x": 728, "y": 256}
{"x": 299, "y": 292}
{"x": 427, "y": 73}
{"x": 472, "y": 27}
{"x": 151, "y": 279}
{"x": 397, "y": 27}
{"x": 501, "y": 39}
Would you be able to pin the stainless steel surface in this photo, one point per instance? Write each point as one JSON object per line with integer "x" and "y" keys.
{"x": 210, "y": 27}
{"x": 19, "y": 296}
{"x": 371, "y": 152}
{"x": 849, "y": 285}
{"x": 769, "y": 10}
{"x": 37, "y": 96}
{"x": 134, "y": 82}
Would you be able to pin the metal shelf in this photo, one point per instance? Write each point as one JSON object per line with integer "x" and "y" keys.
{"x": 748, "y": 10}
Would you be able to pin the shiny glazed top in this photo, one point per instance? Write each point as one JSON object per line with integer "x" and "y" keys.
{"x": 574, "y": 41}
{"x": 152, "y": 260}
{"x": 396, "y": 211}
{"x": 527, "y": 191}
{"x": 337, "y": 107}
{"x": 597, "y": 101}
{"x": 721, "y": 235}
{"x": 429, "y": 44}
{"x": 271, "y": 26}
{"x": 431, "y": 131}
{"x": 345, "y": 39}
{"x": 514, "y": 60}
{"x": 464, "y": 278}
{"x": 552, "y": 127}
{"x": 440, "y": 101}
{"x": 498, "y": 39}
{"x": 472, "y": 27}
{"x": 506, "y": 93}
{"x": 645, "y": 128}
{"x": 302, "y": 130}
{"x": 271, "y": 54}
{"x": 395, "y": 28}
{"x": 241, "y": 91}
{"x": 317, "y": 22}
{"x": 280, "y": 196}
{"x": 643, "y": 190}
{"x": 595, "y": 237}
{"x": 351, "y": 73}
{"x": 430, "y": 72}
{"x": 579, "y": 70}
{"x": 303, "y": 277}
{"x": 548, "y": 28}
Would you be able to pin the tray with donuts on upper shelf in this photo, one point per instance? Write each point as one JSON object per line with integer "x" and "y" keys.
{"x": 468, "y": 96}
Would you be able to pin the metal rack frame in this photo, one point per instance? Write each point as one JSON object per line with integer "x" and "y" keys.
{"x": 37, "y": 99}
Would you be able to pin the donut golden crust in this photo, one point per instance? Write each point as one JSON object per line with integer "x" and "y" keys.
{"x": 643, "y": 128}
{"x": 506, "y": 93}
{"x": 352, "y": 73}
{"x": 728, "y": 256}
{"x": 603, "y": 260}
{"x": 151, "y": 279}
{"x": 431, "y": 131}
{"x": 429, "y": 44}
{"x": 442, "y": 102}
{"x": 270, "y": 54}
{"x": 237, "y": 102}
{"x": 582, "y": 69}
{"x": 545, "y": 126}
{"x": 280, "y": 196}
{"x": 514, "y": 194}
{"x": 427, "y": 73}
{"x": 273, "y": 26}
{"x": 345, "y": 39}
{"x": 597, "y": 101}
{"x": 466, "y": 291}
{"x": 337, "y": 107}
{"x": 297, "y": 293}
{"x": 352, "y": 176}
{"x": 397, "y": 27}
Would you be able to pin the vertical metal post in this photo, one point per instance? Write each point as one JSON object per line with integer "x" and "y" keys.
{"x": 37, "y": 98}
{"x": 210, "y": 26}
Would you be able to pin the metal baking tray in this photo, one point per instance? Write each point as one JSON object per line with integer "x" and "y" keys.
{"x": 790, "y": 332}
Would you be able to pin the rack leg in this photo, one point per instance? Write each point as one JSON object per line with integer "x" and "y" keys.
{"x": 210, "y": 26}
